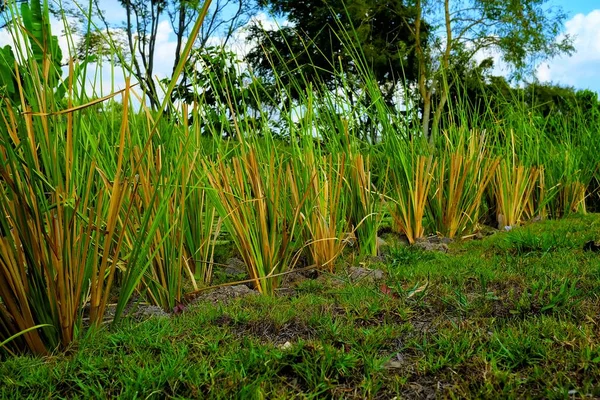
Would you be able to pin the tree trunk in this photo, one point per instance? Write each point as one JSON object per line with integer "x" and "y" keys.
{"x": 426, "y": 115}
{"x": 437, "y": 116}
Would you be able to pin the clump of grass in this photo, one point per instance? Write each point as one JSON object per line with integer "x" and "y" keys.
{"x": 461, "y": 178}
{"x": 202, "y": 229}
{"x": 64, "y": 233}
{"x": 66, "y": 204}
{"x": 364, "y": 203}
{"x": 513, "y": 186}
{"x": 411, "y": 176}
{"x": 317, "y": 184}
{"x": 523, "y": 242}
{"x": 165, "y": 258}
{"x": 570, "y": 177}
{"x": 252, "y": 197}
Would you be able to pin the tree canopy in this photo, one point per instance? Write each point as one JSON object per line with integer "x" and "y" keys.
{"x": 324, "y": 38}
{"x": 416, "y": 43}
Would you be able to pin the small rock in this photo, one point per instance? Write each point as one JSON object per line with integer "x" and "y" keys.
{"x": 428, "y": 246}
{"x": 235, "y": 266}
{"x": 225, "y": 293}
{"x": 445, "y": 240}
{"x": 383, "y": 248}
{"x": 286, "y": 346}
{"x": 359, "y": 273}
{"x": 395, "y": 362}
{"x": 375, "y": 259}
{"x": 293, "y": 279}
{"x": 144, "y": 312}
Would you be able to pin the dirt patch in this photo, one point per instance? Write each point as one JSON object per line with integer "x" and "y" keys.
{"x": 385, "y": 317}
{"x": 267, "y": 330}
{"x": 136, "y": 310}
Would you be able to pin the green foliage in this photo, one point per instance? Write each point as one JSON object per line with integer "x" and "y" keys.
{"x": 315, "y": 46}
{"x": 214, "y": 78}
{"x": 531, "y": 332}
{"x": 40, "y": 56}
{"x": 8, "y": 84}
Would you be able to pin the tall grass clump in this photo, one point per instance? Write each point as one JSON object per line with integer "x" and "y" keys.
{"x": 364, "y": 203}
{"x": 62, "y": 217}
{"x": 411, "y": 175}
{"x": 160, "y": 200}
{"x": 570, "y": 165}
{"x": 252, "y": 196}
{"x": 517, "y": 190}
{"x": 69, "y": 194}
{"x": 513, "y": 187}
{"x": 202, "y": 229}
{"x": 464, "y": 170}
{"x": 317, "y": 188}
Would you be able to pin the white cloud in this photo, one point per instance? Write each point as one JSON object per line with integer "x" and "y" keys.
{"x": 164, "y": 53}
{"x": 582, "y": 69}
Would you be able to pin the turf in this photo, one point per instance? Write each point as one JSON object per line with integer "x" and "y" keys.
{"x": 514, "y": 315}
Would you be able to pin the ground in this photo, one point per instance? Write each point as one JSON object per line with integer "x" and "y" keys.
{"x": 513, "y": 315}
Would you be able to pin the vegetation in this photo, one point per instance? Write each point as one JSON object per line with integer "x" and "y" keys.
{"x": 513, "y": 315}
{"x": 139, "y": 196}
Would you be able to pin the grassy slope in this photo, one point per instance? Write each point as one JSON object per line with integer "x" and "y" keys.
{"x": 513, "y": 315}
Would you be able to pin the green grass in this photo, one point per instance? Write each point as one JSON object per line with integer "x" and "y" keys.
{"x": 512, "y": 316}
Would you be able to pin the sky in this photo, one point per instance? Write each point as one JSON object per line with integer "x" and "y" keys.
{"x": 580, "y": 70}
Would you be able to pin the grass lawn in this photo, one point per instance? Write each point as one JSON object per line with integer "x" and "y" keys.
{"x": 514, "y": 315}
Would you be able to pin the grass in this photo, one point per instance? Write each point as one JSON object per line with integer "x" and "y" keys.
{"x": 510, "y": 316}
{"x": 104, "y": 202}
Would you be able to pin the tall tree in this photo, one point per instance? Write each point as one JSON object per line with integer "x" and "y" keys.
{"x": 520, "y": 31}
{"x": 324, "y": 37}
{"x": 137, "y": 34}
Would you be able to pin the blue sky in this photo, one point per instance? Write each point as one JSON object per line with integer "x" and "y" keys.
{"x": 573, "y": 7}
{"x": 582, "y": 69}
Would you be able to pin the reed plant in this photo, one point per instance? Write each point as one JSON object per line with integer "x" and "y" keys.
{"x": 203, "y": 226}
{"x": 317, "y": 187}
{"x": 411, "y": 172}
{"x": 364, "y": 203}
{"x": 464, "y": 170}
{"x": 67, "y": 193}
{"x": 513, "y": 186}
{"x": 62, "y": 216}
{"x": 570, "y": 172}
{"x": 62, "y": 222}
{"x": 161, "y": 195}
{"x": 252, "y": 195}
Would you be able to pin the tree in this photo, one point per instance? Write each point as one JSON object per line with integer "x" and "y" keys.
{"x": 520, "y": 31}
{"x": 326, "y": 37}
{"x": 221, "y": 90}
{"x": 137, "y": 35}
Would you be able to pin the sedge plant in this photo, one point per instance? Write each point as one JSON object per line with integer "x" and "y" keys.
{"x": 251, "y": 194}
{"x": 463, "y": 172}
{"x": 317, "y": 185}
